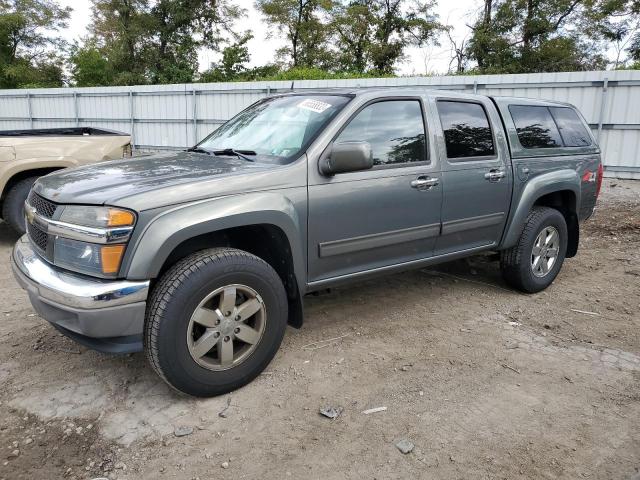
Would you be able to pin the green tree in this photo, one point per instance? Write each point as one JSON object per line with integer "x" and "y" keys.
{"x": 179, "y": 28}
{"x": 374, "y": 34}
{"x": 119, "y": 33}
{"x": 399, "y": 26}
{"x": 29, "y": 47}
{"x": 89, "y": 67}
{"x": 618, "y": 22}
{"x": 144, "y": 41}
{"x": 353, "y": 24}
{"x": 302, "y": 23}
{"x": 233, "y": 65}
{"x": 520, "y": 36}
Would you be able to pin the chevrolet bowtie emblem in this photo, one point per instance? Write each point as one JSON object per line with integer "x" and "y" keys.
{"x": 30, "y": 213}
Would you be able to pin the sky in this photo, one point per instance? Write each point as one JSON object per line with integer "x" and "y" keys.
{"x": 420, "y": 61}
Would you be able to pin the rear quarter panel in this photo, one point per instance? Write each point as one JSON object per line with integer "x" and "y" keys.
{"x": 21, "y": 154}
{"x": 75, "y": 149}
{"x": 540, "y": 171}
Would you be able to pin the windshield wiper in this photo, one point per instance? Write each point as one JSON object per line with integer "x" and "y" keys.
{"x": 198, "y": 150}
{"x": 238, "y": 153}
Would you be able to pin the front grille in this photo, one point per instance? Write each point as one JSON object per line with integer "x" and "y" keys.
{"x": 38, "y": 237}
{"x": 43, "y": 206}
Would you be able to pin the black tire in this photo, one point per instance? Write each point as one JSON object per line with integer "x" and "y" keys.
{"x": 13, "y": 206}
{"x": 176, "y": 296}
{"x": 515, "y": 262}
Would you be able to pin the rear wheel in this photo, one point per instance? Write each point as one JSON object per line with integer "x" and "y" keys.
{"x": 13, "y": 206}
{"x": 535, "y": 261}
{"x": 215, "y": 320}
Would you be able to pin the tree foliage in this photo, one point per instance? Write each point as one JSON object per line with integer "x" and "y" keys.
{"x": 301, "y": 22}
{"x": 519, "y": 36}
{"x": 351, "y": 35}
{"x": 618, "y": 23}
{"x": 132, "y": 42}
{"x": 233, "y": 65}
{"x": 397, "y": 26}
{"x": 29, "y": 47}
{"x": 372, "y": 35}
{"x": 89, "y": 67}
{"x": 143, "y": 41}
{"x": 353, "y": 26}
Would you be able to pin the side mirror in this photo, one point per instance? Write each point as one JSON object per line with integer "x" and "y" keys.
{"x": 347, "y": 157}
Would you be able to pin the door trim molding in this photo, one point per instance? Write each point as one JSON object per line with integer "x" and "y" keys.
{"x": 397, "y": 267}
{"x": 455, "y": 226}
{"x": 377, "y": 240}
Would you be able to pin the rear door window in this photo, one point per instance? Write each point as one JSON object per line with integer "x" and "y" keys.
{"x": 535, "y": 126}
{"x": 571, "y": 127}
{"x": 467, "y": 133}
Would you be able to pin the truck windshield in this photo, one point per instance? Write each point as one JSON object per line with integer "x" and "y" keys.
{"x": 276, "y": 129}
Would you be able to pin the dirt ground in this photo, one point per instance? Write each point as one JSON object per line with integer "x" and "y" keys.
{"x": 484, "y": 381}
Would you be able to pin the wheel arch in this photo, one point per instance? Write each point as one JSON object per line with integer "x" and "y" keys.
{"x": 566, "y": 203}
{"x": 559, "y": 189}
{"x": 271, "y": 231}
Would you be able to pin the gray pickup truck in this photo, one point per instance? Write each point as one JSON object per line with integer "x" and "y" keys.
{"x": 201, "y": 258}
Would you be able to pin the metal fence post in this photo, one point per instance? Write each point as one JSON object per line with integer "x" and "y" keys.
{"x": 29, "y": 110}
{"x": 131, "y": 118}
{"x": 75, "y": 108}
{"x": 475, "y": 86}
{"x": 603, "y": 102}
{"x": 194, "y": 108}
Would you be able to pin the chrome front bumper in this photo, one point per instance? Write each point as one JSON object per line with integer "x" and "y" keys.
{"x": 90, "y": 310}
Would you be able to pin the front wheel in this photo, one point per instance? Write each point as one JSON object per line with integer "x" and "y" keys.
{"x": 535, "y": 261}
{"x": 214, "y": 321}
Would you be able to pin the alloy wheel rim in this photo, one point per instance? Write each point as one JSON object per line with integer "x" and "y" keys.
{"x": 544, "y": 253}
{"x": 226, "y": 327}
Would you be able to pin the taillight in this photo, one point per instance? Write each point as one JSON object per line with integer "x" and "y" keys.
{"x": 599, "y": 179}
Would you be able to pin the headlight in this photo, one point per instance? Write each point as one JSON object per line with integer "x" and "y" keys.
{"x": 89, "y": 258}
{"x": 101, "y": 217}
{"x": 91, "y": 240}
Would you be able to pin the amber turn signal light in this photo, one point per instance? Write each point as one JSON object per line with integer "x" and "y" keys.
{"x": 120, "y": 218}
{"x": 110, "y": 256}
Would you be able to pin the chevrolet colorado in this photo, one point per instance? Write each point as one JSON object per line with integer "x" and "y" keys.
{"x": 201, "y": 258}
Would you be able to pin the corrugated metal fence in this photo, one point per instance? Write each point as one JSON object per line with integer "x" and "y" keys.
{"x": 177, "y": 116}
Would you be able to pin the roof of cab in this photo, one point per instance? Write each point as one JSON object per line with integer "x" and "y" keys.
{"x": 374, "y": 92}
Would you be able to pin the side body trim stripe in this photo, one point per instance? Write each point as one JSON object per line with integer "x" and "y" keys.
{"x": 455, "y": 226}
{"x": 377, "y": 240}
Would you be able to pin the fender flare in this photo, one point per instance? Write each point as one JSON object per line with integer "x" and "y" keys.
{"x": 172, "y": 227}
{"x": 535, "y": 188}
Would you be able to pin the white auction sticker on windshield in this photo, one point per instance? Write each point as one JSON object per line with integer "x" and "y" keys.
{"x": 314, "y": 105}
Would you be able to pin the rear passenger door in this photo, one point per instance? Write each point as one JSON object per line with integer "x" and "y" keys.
{"x": 387, "y": 215}
{"x": 477, "y": 175}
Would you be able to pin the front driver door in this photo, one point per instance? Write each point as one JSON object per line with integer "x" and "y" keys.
{"x": 360, "y": 221}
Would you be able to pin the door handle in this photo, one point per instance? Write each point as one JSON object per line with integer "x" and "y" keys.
{"x": 495, "y": 175}
{"x": 424, "y": 182}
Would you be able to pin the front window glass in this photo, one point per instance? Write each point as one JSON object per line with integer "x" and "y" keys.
{"x": 277, "y": 128}
{"x": 394, "y": 129}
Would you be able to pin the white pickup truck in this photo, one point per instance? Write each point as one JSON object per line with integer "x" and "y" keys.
{"x": 26, "y": 155}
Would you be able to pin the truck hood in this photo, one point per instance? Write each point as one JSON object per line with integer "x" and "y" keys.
{"x": 172, "y": 177}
